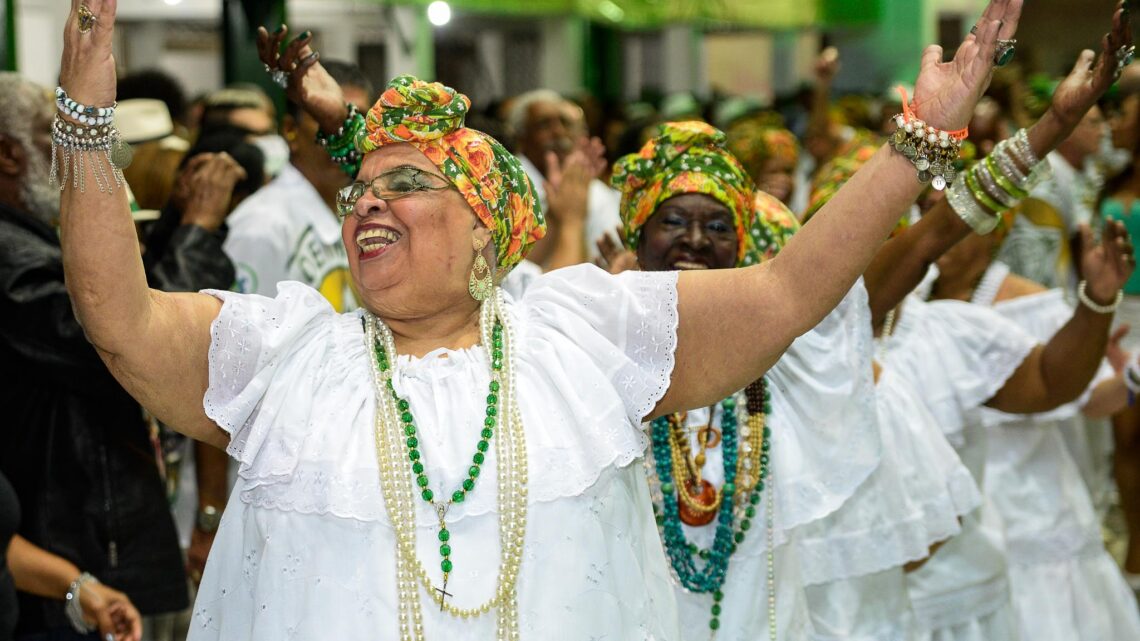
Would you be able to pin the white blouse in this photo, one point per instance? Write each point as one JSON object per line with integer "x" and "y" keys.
{"x": 306, "y": 550}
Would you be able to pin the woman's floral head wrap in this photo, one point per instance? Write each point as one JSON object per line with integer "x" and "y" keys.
{"x": 429, "y": 116}
{"x": 771, "y": 228}
{"x": 685, "y": 158}
{"x": 754, "y": 145}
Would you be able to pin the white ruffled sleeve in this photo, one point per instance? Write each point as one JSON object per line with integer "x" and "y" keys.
{"x": 1042, "y": 315}
{"x": 959, "y": 354}
{"x": 257, "y": 344}
{"x": 824, "y": 422}
{"x": 626, "y": 324}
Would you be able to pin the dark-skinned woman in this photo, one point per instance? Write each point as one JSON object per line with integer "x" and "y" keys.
{"x": 836, "y": 484}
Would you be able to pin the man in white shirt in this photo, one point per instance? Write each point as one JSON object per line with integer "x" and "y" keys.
{"x": 288, "y": 229}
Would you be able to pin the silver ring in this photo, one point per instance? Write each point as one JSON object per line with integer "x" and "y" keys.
{"x": 1004, "y": 52}
{"x": 1125, "y": 55}
{"x": 280, "y": 78}
{"x": 316, "y": 55}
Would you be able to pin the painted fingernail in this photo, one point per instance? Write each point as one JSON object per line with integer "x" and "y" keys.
{"x": 279, "y": 30}
{"x": 303, "y": 36}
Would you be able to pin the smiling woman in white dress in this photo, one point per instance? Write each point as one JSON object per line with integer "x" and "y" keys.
{"x": 446, "y": 462}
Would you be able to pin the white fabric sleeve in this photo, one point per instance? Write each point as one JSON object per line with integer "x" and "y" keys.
{"x": 627, "y": 324}
{"x": 256, "y": 342}
{"x": 959, "y": 355}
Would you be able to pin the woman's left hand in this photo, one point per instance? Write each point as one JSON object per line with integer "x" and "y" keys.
{"x": 1107, "y": 266}
{"x": 946, "y": 92}
{"x": 111, "y": 611}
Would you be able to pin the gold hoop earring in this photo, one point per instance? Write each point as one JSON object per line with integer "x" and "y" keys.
{"x": 480, "y": 287}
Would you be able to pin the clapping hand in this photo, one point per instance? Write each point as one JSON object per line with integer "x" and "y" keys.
{"x": 945, "y": 92}
{"x": 1108, "y": 265}
{"x": 613, "y": 256}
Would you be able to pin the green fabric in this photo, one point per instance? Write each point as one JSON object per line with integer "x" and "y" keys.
{"x": 643, "y": 14}
{"x": 1112, "y": 209}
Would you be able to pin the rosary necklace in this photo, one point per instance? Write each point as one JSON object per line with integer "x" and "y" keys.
{"x": 398, "y": 453}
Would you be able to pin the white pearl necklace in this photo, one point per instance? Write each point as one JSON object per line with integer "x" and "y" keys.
{"x": 398, "y": 489}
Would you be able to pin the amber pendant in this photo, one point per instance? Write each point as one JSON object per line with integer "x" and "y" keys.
{"x": 706, "y": 496}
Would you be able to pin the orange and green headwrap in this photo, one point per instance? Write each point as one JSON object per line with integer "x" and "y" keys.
{"x": 771, "y": 228}
{"x": 754, "y": 144}
{"x": 834, "y": 174}
{"x": 685, "y": 158}
{"x": 429, "y": 116}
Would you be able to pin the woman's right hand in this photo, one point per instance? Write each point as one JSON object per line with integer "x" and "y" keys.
{"x": 310, "y": 85}
{"x": 1092, "y": 76}
{"x": 111, "y": 611}
{"x": 87, "y": 71}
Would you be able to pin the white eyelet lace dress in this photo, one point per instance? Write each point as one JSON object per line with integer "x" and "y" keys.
{"x": 957, "y": 356}
{"x": 1065, "y": 585}
{"x": 305, "y": 549}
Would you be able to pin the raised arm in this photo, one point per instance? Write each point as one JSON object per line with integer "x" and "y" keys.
{"x": 1059, "y": 371}
{"x": 734, "y": 324}
{"x": 154, "y": 343}
{"x": 902, "y": 262}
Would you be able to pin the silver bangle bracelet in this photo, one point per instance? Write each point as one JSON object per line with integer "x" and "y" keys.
{"x": 1005, "y": 163}
{"x": 1083, "y": 296}
{"x": 968, "y": 209}
{"x": 73, "y": 608}
{"x": 1023, "y": 149}
{"x": 992, "y": 188}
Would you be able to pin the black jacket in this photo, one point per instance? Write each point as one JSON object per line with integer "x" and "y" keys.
{"x": 73, "y": 443}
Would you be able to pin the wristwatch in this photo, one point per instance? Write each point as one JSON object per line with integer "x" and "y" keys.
{"x": 208, "y": 519}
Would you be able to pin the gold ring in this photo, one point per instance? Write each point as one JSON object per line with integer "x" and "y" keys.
{"x": 86, "y": 19}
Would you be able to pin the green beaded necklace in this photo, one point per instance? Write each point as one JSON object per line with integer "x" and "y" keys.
{"x": 408, "y": 423}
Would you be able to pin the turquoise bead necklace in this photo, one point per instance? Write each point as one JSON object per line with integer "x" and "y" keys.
{"x": 683, "y": 555}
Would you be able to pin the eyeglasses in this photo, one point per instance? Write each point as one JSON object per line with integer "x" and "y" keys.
{"x": 390, "y": 185}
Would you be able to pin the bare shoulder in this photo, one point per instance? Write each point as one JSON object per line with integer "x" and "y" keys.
{"x": 1015, "y": 286}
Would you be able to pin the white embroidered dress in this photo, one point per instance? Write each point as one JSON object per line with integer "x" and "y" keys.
{"x": 957, "y": 356}
{"x": 306, "y": 551}
{"x": 1065, "y": 585}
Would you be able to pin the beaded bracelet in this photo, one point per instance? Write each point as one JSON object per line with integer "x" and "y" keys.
{"x": 82, "y": 113}
{"x": 341, "y": 145}
{"x": 963, "y": 204}
{"x": 72, "y": 607}
{"x": 1082, "y": 295}
{"x": 72, "y": 145}
{"x": 932, "y": 151}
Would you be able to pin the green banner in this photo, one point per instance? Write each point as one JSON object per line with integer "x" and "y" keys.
{"x": 645, "y": 14}
{"x": 8, "y": 23}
